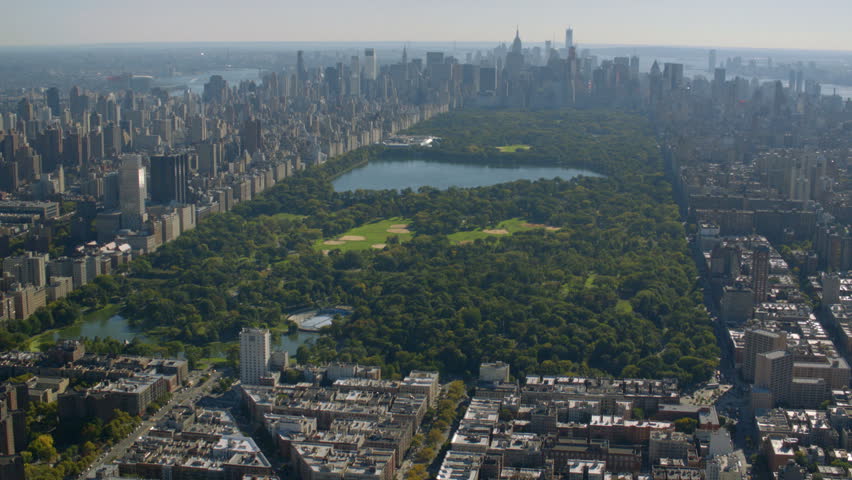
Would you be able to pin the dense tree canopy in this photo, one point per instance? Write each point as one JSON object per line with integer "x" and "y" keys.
{"x": 612, "y": 291}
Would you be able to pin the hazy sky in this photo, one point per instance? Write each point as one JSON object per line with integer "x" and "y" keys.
{"x": 813, "y": 24}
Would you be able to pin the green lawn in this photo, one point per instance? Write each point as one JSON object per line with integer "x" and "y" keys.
{"x": 375, "y": 233}
{"x": 513, "y": 148}
{"x": 513, "y": 225}
{"x": 287, "y": 216}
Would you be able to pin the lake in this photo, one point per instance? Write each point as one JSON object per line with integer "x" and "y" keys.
{"x": 405, "y": 172}
{"x": 104, "y": 324}
{"x": 115, "y": 326}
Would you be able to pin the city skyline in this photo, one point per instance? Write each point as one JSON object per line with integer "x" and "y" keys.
{"x": 759, "y": 24}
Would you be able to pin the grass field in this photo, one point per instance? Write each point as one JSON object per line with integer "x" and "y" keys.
{"x": 513, "y": 148}
{"x": 366, "y": 236}
{"x": 506, "y": 227}
{"x": 287, "y": 216}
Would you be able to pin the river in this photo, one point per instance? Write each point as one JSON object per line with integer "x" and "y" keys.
{"x": 195, "y": 82}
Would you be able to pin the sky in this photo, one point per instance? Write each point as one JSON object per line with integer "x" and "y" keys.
{"x": 810, "y": 25}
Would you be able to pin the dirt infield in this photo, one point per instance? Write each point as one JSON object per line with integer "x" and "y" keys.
{"x": 333, "y": 242}
{"x": 399, "y": 230}
{"x": 499, "y": 231}
{"x": 541, "y": 225}
{"x": 353, "y": 238}
{"x": 379, "y": 246}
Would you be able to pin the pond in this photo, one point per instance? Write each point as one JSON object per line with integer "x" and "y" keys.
{"x": 402, "y": 172}
{"x": 106, "y": 324}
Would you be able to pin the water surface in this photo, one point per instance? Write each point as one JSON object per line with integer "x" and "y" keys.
{"x": 405, "y": 172}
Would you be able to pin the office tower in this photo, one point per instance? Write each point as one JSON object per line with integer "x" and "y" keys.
{"x": 216, "y": 90}
{"x": 515, "y": 57}
{"x": 251, "y": 134}
{"x": 254, "y": 355}
{"x": 96, "y": 145}
{"x": 487, "y": 79}
{"x": 113, "y": 140}
{"x": 569, "y": 38}
{"x": 78, "y": 103}
{"x": 25, "y": 110}
{"x": 760, "y": 272}
{"x": 52, "y": 95}
{"x": 112, "y": 190}
{"x": 301, "y": 72}
{"x": 470, "y": 77}
{"x": 711, "y": 61}
{"x": 371, "y": 65}
{"x": 355, "y": 76}
{"x": 51, "y": 148}
{"x": 132, "y": 190}
{"x": 759, "y": 341}
{"x": 672, "y": 76}
{"x": 634, "y": 67}
{"x": 169, "y": 175}
{"x": 719, "y": 76}
{"x": 434, "y": 58}
{"x": 72, "y": 151}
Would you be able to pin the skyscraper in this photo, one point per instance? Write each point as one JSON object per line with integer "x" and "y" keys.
{"x": 251, "y": 135}
{"x": 169, "y": 178}
{"x": 371, "y": 65}
{"x": 569, "y": 38}
{"x": 515, "y": 57}
{"x": 301, "y": 72}
{"x": 254, "y": 355}
{"x": 52, "y": 95}
{"x": 355, "y": 76}
{"x": 132, "y": 192}
{"x": 711, "y": 61}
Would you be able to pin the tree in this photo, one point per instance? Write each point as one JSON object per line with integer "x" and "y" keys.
{"x": 686, "y": 425}
{"x": 42, "y": 448}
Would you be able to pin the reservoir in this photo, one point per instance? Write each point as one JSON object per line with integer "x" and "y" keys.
{"x": 398, "y": 173}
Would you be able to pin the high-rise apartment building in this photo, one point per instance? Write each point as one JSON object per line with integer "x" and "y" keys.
{"x": 760, "y": 272}
{"x": 254, "y": 355}
{"x": 759, "y": 341}
{"x": 132, "y": 191}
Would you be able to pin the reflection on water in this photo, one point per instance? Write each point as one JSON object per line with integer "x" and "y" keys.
{"x": 404, "y": 172}
{"x": 116, "y": 327}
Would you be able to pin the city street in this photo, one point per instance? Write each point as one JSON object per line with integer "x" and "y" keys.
{"x": 183, "y": 397}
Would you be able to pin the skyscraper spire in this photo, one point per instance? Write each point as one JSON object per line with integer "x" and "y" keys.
{"x": 516, "y": 45}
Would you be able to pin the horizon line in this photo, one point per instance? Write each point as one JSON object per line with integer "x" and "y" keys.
{"x": 408, "y": 42}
